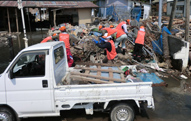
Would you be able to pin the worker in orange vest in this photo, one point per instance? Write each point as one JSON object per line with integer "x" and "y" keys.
{"x": 65, "y": 37}
{"x": 50, "y": 38}
{"x": 109, "y": 46}
{"x": 119, "y": 36}
{"x": 123, "y": 25}
{"x": 106, "y": 30}
{"x": 139, "y": 42}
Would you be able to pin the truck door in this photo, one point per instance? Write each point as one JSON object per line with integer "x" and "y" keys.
{"x": 60, "y": 63}
{"x": 2, "y": 90}
{"x": 28, "y": 84}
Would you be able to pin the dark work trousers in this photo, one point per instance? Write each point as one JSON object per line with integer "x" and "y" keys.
{"x": 137, "y": 52}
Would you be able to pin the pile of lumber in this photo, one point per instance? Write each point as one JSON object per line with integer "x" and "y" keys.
{"x": 98, "y": 79}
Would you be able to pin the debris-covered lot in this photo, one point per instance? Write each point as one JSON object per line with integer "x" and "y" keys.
{"x": 124, "y": 54}
{"x": 171, "y": 85}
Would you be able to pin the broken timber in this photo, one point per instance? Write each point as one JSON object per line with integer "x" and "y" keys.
{"x": 87, "y": 77}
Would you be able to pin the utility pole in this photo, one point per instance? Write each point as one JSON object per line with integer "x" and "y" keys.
{"x": 187, "y": 20}
{"x": 172, "y": 15}
{"x": 160, "y": 13}
{"x": 20, "y": 6}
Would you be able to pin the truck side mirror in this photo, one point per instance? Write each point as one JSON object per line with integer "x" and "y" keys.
{"x": 11, "y": 74}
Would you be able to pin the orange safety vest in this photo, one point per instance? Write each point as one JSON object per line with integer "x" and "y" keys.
{"x": 46, "y": 39}
{"x": 65, "y": 38}
{"x": 110, "y": 31}
{"x": 111, "y": 55}
{"x": 119, "y": 33}
{"x": 119, "y": 26}
{"x": 140, "y": 37}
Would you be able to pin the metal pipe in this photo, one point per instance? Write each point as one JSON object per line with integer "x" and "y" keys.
{"x": 160, "y": 13}
{"x": 23, "y": 21}
{"x": 187, "y": 20}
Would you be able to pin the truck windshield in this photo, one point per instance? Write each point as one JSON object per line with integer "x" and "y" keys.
{"x": 30, "y": 64}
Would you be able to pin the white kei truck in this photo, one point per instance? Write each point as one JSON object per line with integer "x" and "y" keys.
{"x": 31, "y": 87}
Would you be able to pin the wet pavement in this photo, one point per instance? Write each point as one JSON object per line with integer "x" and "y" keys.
{"x": 172, "y": 103}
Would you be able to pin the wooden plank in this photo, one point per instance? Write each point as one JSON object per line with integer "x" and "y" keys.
{"x": 110, "y": 74}
{"x": 81, "y": 78}
{"x": 122, "y": 75}
{"x": 87, "y": 71}
{"x": 102, "y": 70}
{"x": 97, "y": 64}
{"x": 95, "y": 76}
{"x": 99, "y": 72}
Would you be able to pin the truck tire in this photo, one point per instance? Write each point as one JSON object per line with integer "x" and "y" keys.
{"x": 6, "y": 114}
{"x": 122, "y": 112}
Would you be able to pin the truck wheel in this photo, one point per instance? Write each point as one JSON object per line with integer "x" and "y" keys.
{"x": 6, "y": 114}
{"x": 122, "y": 112}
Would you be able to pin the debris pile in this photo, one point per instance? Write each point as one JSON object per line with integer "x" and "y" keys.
{"x": 85, "y": 50}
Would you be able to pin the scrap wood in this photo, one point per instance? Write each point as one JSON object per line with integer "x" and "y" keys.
{"x": 99, "y": 77}
{"x": 122, "y": 75}
{"x": 101, "y": 70}
{"x": 110, "y": 74}
{"x": 86, "y": 79}
{"x": 98, "y": 64}
{"x": 98, "y": 72}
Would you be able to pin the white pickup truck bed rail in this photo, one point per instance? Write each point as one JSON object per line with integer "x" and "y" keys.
{"x": 74, "y": 94}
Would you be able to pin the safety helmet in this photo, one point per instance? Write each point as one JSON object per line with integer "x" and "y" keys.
{"x": 111, "y": 26}
{"x": 128, "y": 21}
{"x": 54, "y": 34}
{"x": 62, "y": 28}
{"x": 100, "y": 27}
{"x": 142, "y": 28}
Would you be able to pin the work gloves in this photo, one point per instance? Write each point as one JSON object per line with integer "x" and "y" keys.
{"x": 96, "y": 42}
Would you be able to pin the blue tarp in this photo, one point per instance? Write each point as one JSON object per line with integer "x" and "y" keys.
{"x": 158, "y": 44}
{"x": 110, "y": 12}
{"x": 136, "y": 13}
{"x": 119, "y": 11}
{"x": 106, "y": 74}
{"x": 96, "y": 33}
{"x": 149, "y": 77}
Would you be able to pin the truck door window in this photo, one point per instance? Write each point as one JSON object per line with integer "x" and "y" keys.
{"x": 31, "y": 64}
{"x": 58, "y": 54}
